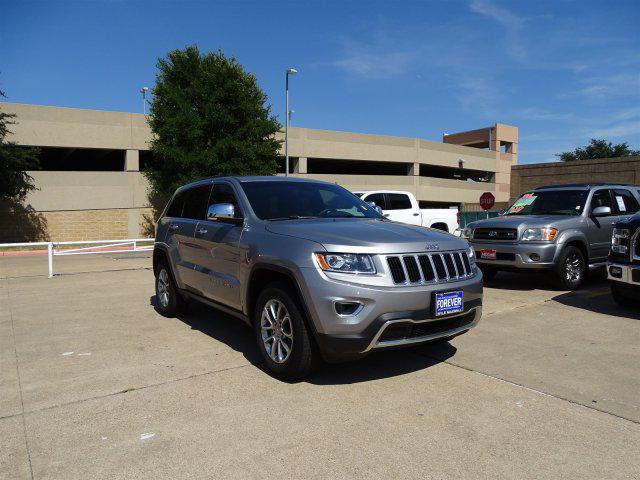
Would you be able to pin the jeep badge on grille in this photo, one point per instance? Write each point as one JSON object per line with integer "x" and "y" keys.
{"x": 431, "y": 247}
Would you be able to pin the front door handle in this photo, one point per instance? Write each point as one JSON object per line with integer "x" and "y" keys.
{"x": 174, "y": 226}
{"x": 201, "y": 231}
{"x": 416, "y": 214}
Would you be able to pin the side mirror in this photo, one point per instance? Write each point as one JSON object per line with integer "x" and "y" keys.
{"x": 502, "y": 212}
{"x": 601, "y": 211}
{"x": 376, "y": 207}
{"x": 221, "y": 211}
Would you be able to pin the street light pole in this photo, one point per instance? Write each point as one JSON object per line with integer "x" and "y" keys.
{"x": 144, "y": 91}
{"x": 291, "y": 71}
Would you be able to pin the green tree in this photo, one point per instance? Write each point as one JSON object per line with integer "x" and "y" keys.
{"x": 15, "y": 160}
{"x": 598, "y": 148}
{"x": 208, "y": 116}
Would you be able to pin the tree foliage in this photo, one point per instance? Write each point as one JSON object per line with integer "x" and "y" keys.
{"x": 598, "y": 148}
{"x": 15, "y": 160}
{"x": 208, "y": 116}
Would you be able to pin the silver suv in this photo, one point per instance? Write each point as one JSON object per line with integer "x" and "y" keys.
{"x": 561, "y": 229}
{"x": 315, "y": 271}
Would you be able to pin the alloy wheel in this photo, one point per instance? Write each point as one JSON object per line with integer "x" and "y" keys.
{"x": 573, "y": 267}
{"x": 163, "y": 288}
{"x": 276, "y": 331}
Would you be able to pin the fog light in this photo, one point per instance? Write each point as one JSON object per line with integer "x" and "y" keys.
{"x": 347, "y": 308}
{"x": 615, "y": 272}
{"x": 535, "y": 257}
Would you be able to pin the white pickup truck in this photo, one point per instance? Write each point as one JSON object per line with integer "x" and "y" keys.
{"x": 403, "y": 207}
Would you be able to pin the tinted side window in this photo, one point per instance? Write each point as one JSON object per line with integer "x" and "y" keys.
{"x": 378, "y": 198}
{"x": 602, "y": 198}
{"x": 625, "y": 203}
{"x": 398, "y": 201}
{"x": 175, "y": 209}
{"x": 223, "y": 193}
{"x": 195, "y": 202}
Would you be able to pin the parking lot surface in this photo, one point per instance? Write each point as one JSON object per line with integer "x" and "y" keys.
{"x": 95, "y": 384}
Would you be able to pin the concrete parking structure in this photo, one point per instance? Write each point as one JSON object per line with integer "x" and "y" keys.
{"x": 95, "y": 384}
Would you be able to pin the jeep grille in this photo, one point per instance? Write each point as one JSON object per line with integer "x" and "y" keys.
{"x": 417, "y": 269}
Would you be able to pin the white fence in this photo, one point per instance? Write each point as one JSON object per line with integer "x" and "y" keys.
{"x": 95, "y": 247}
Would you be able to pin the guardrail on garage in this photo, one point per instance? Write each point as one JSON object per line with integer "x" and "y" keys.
{"x": 94, "y": 247}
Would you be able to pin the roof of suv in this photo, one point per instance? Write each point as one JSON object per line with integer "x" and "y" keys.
{"x": 264, "y": 178}
{"x": 584, "y": 186}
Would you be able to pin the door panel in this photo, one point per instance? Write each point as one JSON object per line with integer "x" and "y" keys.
{"x": 601, "y": 228}
{"x": 183, "y": 230}
{"x": 218, "y": 253}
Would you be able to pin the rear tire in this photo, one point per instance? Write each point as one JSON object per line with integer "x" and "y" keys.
{"x": 283, "y": 337}
{"x": 168, "y": 302}
{"x": 621, "y": 296}
{"x": 570, "y": 271}
{"x": 488, "y": 273}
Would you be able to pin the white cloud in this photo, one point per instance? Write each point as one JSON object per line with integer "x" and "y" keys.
{"x": 511, "y": 22}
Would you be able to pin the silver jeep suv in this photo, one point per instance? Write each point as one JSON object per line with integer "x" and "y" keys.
{"x": 315, "y": 271}
{"x": 560, "y": 229}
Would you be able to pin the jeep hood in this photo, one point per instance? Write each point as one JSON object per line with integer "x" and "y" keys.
{"x": 367, "y": 235}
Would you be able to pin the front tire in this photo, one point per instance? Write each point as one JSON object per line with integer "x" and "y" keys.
{"x": 621, "y": 296}
{"x": 283, "y": 338}
{"x": 168, "y": 302}
{"x": 570, "y": 270}
{"x": 488, "y": 273}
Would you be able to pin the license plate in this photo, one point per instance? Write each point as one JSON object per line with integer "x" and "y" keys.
{"x": 488, "y": 254}
{"x": 448, "y": 302}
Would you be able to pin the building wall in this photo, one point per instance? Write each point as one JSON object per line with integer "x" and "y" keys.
{"x": 79, "y": 205}
{"x": 615, "y": 170}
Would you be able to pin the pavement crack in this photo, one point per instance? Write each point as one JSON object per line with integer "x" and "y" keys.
{"x": 125, "y": 391}
{"x": 15, "y": 352}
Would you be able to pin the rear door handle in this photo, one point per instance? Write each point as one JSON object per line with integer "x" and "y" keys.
{"x": 201, "y": 231}
{"x": 416, "y": 214}
{"x": 174, "y": 226}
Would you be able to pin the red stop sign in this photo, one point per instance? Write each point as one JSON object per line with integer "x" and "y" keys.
{"x": 487, "y": 200}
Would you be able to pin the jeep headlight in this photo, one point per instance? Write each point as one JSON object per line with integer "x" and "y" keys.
{"x": 467, "y": 233}
{"x": 539, "y": 234}
{"x": 346, "y": 262}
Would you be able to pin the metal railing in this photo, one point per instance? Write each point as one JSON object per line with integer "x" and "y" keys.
{"x": 95, "y": 247}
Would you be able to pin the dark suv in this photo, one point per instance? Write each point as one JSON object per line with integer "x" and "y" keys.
{"x": 624, "y": 262}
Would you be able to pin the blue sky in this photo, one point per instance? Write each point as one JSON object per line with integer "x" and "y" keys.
{"x": 562, "y": 71}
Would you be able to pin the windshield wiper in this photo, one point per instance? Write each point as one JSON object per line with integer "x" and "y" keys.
{"x": 290, "y": 217}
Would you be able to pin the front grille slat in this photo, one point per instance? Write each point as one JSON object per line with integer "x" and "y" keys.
{"x": 413, "y": 272}
{"x": 397, "y": 272}
{"x": 418, "y": 269}
{"x": 459, "y": 266}
{"x": 451, "y": 267}
{"x": 427, "y": 269}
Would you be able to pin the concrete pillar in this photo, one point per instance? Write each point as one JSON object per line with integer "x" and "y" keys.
{"x": 414, "y": 169}
{"x": 301, "y": 165}
{"x": 132, "y": 161}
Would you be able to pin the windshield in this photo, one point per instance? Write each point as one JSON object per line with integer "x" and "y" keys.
{"x": 273, "y": 200}
{"x": 551, "y": 202}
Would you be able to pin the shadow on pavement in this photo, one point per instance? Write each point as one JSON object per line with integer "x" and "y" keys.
{"x": 376, "y": 366}
{"x": 599, "y": 301}
{"x": 538, "y": 281}
{"x": 237, "y": 335}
